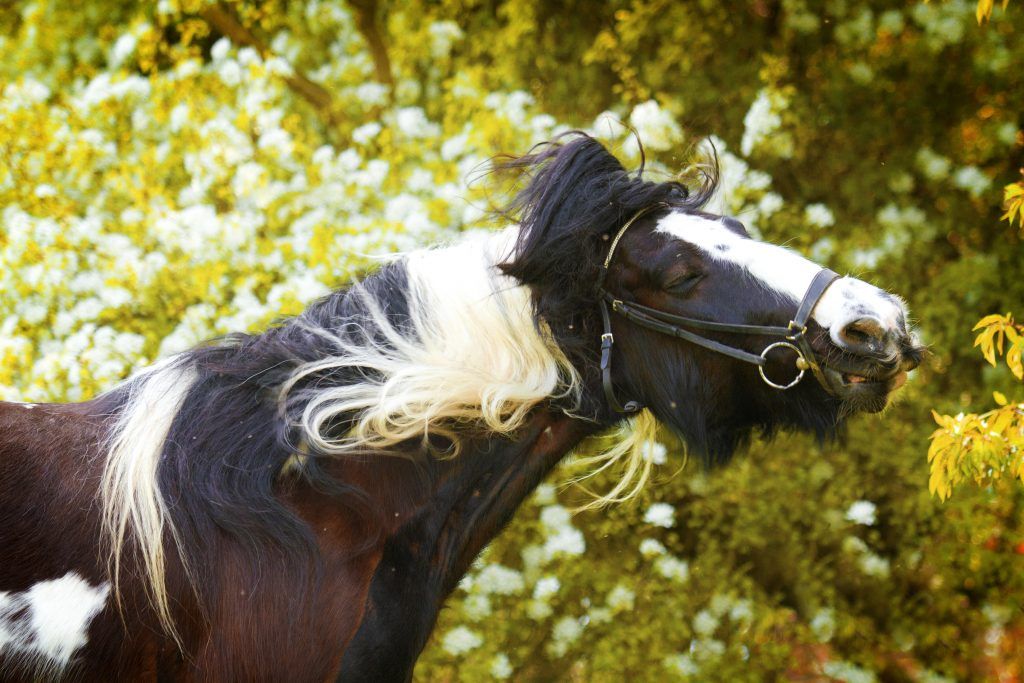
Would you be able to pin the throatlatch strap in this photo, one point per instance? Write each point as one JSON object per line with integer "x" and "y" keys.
{"x": 607, "y": 342}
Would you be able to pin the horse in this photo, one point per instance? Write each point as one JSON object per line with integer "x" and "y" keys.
{"x": 298, "y": 504}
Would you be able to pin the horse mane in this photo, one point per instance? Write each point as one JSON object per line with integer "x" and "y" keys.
{"x": 578, "y": 196}
{"x": 465, "y": 339}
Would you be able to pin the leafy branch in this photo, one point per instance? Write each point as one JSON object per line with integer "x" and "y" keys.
{"x": 984, "y": 11}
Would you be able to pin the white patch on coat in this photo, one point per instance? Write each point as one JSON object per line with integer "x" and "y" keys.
{"x": 789, "y": 273}
{"x": 42, "y": 628}
{"x": 28, "y": 406}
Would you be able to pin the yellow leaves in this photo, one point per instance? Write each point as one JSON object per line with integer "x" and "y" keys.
{"x": 1013, "y": 200}
{"x": 982, "y": 447}
{"x": 976, "y": 448}
{"x": 984, "y": 10}
{"x": 1013, "y": 359}
{"x": 996, "y": 330}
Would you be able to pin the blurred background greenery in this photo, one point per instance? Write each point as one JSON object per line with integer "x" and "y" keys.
{"x": 172, "y": 171}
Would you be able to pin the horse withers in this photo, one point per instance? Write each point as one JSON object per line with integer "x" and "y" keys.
{"x": 297, "y": 504}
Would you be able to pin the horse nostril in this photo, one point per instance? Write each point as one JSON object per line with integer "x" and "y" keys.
{"x": 862, "y": 333}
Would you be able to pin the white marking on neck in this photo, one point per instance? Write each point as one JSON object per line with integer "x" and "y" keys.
{"x": 787, "y": 272}
{"x": 27, "y": 406}
{"x": 46, "y": 624}
{"x": 133, "y": 505}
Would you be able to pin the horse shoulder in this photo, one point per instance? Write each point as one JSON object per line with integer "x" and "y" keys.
{"x": 276, "y": 625}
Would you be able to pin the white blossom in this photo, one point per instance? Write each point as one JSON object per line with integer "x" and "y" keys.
{"x": 972, "y": 180}
{"x": 661, "y": 514}
{"x": 366, "y": 133}
{"x": 498, "y": 580}
{"x": 861, "y": 512}
{"x": 704, "y": 623}
{"x": 934, "y": 166}
{"x": 413, "y": 122}
{"x": 650, "y": 547}
{"x": 123, "y": 48}
{"x": 823, "y": 624}
{"x": 461, "y": 640}
{"x": 758, "y": 122}
{"x": 546, "y": 587}
{"x": 501, "y": 667}
{"x": 656, "y": 452}
{"x": 621, "y": 598}
{"x": 565, "y": 632}
{"x": 673, "y": 568}
{"x": 819, "y": 215}
{"x": 655, "y": 126}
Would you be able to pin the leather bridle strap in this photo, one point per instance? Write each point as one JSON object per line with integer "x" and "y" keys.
{"x": 793, "y": 336}
{"x": 607, "y": 342}
{"x": 798, "y": 326}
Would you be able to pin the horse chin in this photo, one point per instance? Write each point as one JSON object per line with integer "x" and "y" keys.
{"x": 864, "y": 393}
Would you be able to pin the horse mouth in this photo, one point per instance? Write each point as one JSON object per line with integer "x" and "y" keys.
{"x": 865, "y": 383}
{"x": 897, "y": 380}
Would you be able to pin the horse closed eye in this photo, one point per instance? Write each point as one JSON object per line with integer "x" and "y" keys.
{"x": 683, "y": 284}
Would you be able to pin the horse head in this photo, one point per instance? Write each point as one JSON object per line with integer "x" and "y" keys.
{"x": 718, "y": 334}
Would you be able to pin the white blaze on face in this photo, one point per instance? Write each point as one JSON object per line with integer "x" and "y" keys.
{"x": 46, "y": 624}
{"x": 788, "y": 273}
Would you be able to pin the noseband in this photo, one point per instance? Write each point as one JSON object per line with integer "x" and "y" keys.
{"x": 793, "y": 336}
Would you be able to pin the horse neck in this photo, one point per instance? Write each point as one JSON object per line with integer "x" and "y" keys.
{"x": 446, "y": 510}
{"x": 438, "y": 517}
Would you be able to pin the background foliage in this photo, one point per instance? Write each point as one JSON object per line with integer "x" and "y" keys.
{"x": 173, "y": 171}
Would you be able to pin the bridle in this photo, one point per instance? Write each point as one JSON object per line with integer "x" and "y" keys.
{"x": 794, "y": 335}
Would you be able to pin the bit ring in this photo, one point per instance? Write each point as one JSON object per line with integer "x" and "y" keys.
{"x": 801, "y": 364}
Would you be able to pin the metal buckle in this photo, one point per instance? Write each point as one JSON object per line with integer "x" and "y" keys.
{"x": 607, "y": 337}
{"x": 799, "y": 356}
{"x": 797, "y": 331}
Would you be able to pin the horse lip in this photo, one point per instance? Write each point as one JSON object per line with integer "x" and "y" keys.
{"x": 875, "y": 369}
{"x": 873, "y": 374}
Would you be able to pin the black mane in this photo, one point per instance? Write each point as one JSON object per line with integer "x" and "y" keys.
{"x": 577, "y": 197}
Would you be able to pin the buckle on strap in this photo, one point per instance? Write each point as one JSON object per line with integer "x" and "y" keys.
{"x": 797, "y": 331}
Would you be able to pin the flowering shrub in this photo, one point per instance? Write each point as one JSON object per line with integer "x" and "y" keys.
{"x": 176, "y": 171}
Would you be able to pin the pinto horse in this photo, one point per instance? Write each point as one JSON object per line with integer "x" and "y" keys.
{"x": 297, "y": 505}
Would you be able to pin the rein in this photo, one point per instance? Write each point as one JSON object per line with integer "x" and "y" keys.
{"x": 794, "y": 335}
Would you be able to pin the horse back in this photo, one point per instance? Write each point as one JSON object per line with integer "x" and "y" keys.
{"x": 56, "y": 607}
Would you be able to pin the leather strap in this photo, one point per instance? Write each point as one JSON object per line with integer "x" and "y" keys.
{"x": 607, "y": 343}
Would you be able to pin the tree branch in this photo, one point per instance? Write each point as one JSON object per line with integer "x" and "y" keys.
{"x": 366, "y": 22}
{"x": 222, "y": 20}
